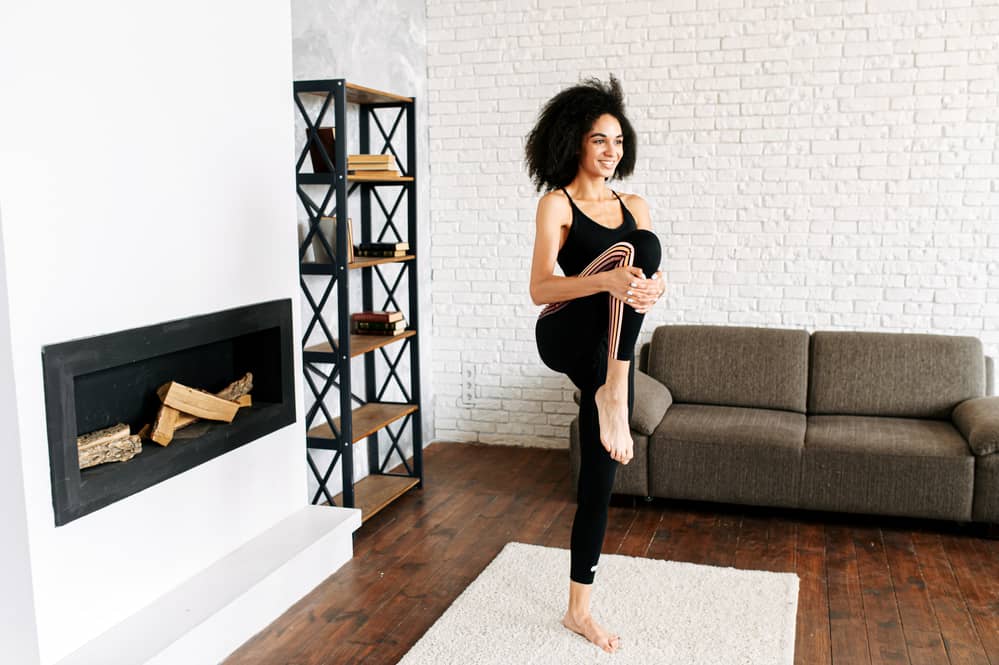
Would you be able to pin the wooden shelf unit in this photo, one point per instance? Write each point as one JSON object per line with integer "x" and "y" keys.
{"x": 329, "y": 358}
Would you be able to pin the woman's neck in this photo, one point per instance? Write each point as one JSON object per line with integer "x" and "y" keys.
{"x": 589, "y": 188}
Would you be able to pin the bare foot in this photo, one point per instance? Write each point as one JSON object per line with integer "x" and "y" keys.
{"x": 592, "y": 631}
{"x": 612, "y": 413}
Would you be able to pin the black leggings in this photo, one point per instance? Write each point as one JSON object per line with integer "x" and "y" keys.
{"x": 576, "y": 338}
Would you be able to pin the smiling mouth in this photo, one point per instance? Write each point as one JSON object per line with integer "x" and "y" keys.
{"x": 607, "y": 165}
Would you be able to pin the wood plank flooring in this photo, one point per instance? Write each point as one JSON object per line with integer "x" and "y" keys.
{"x": 872, "y": 589}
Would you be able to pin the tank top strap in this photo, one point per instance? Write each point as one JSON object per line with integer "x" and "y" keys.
{"x": 574, "y": 203}
{"x": 571, "y": 202}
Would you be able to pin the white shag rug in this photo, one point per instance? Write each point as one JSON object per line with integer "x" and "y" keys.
{"x": 666, "y": 612}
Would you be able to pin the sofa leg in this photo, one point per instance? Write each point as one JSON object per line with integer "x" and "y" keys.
{"x": 991, "y": 531}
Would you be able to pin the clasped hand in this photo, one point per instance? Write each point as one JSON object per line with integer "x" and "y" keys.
{"x": 629, "y": 283}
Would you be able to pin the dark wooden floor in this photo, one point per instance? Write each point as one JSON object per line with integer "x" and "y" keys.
{"x": 872, "y": 589}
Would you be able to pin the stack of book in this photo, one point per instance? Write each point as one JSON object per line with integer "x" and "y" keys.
{"x": 378, "y": 323}
{"x": 382, "y": 249}
{"x": 372, "y": 165}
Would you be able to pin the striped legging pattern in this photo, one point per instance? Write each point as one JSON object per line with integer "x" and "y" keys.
{"x": 618, "y": 254}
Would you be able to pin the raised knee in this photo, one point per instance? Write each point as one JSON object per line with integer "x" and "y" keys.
{"x": 647, "y": 249}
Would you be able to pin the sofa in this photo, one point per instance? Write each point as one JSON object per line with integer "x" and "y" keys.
{"x": 896, "y": 424}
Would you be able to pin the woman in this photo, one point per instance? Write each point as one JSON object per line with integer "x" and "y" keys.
{"x": 604, "y": 244}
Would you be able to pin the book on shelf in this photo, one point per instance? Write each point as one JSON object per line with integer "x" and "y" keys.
{"x": 371, "y": 159}
{"x": 327, "y": 227}
{"x": 368, "y": 170}
{"x": 378, "y": 328}
{"x": 380, "y": 253}
{"x": 384, "y": 245}
{"x": 375, "y": 174}
{"x": 326, "y": 137}
{"x": 371, "y": 163}
{"x": 385, "y": 316}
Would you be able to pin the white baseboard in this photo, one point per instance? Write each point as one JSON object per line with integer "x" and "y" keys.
{"x": 208, "y": 617}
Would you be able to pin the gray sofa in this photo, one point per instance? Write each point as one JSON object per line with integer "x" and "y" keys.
{"x": 858, "y": 422}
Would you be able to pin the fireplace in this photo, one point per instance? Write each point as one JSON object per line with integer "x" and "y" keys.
{"x": 97, "y": 382}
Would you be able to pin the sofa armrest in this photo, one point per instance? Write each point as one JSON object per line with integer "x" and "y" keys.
{"x": 978, "y": 421}
{"x": 643, "y": 357}
{"x": 652, "y": 399}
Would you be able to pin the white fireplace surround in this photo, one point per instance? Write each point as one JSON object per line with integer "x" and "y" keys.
{"x": 147, "y": 175}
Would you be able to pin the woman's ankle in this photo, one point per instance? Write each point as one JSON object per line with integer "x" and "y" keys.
{"x": 613, "y": 391}
{"x": 617, "y": 373}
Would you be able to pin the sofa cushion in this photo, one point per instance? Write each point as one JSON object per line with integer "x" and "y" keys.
{"x": 888, "y": 466}
{"x": 978, "y": 421}
{"x": 763, "y": 368}
{"x": 727, "y": 454}
{"x": 903, "y": 375}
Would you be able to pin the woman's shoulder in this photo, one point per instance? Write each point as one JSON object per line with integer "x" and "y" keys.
{"x": 556, "y": 203}
{"x": 632, "y": 198}
{"x": 556, "y": 194}
{"x": 638, "y": 207}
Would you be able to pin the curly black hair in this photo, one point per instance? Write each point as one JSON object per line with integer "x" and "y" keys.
{"x": 553, "y": 144}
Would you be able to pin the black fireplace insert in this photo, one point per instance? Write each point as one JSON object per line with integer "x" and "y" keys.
{"x": 98, "y": 382}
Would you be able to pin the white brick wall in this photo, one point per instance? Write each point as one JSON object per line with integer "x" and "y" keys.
{"x": 824, "y": 165}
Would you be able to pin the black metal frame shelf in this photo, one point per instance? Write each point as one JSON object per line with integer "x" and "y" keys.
{"x": 327, "y": 364}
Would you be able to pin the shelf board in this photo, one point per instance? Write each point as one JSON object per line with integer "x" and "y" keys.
{"x": 368, "y": 261}
{"x": 362, "y": 177}
{"x": 356, "y": 94}
{"x": 313, "y": 268}
{"x": 366, "y": 420}
{"x": 375, "y": 491}
{"x": 327, "y": 178}
{"x": 359, "y": 344}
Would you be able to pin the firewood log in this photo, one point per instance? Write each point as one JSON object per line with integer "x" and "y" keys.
{"x": 112, "y": 444}
{"x": 197, "y": 402}
{"x": 235, "y": 391}
{"x": 164, "y": 425}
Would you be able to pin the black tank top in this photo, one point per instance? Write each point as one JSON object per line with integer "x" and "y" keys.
{"x": 587, "y": 239}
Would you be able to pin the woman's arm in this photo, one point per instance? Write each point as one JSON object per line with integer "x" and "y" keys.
{"x": 640, "y": 211}
{"x": 546, "y": 286}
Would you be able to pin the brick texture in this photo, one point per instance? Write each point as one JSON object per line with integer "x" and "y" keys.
{"x": 823, "y": 165}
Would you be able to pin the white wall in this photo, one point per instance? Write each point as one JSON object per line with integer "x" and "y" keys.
{"x": 379, "y": 44}
{"x": 17, "y": 612}
{"x": 822, "y": 165}
{"x": 146, "y": 175}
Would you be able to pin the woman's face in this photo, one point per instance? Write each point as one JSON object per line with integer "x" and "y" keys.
{"x": 603, "y": 147}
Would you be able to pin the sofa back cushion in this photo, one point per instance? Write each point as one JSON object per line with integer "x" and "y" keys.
{"x": 905, "y": 375}
{"x": 765, "y": 368}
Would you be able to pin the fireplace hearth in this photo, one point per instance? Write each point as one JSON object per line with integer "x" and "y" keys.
{"x": 96, "y": 382}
